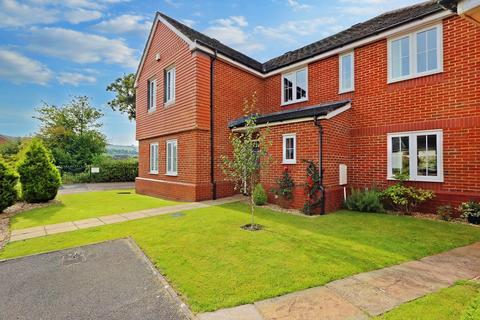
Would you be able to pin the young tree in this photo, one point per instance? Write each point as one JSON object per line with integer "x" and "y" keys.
{"x": 249, "y": 156}
{"x": 125, "y": 95}
{"x": 39, "y": 177}
{"x": 8, "y": 186}
{"x": 72, "y": 131}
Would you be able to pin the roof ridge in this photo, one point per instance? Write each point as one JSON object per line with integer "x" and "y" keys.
{"x": 339, "y": 39}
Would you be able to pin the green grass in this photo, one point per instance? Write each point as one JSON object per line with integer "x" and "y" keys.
{"x": 214, "y": 264}
{"x": 86, "y": 205}
{"x": 452, "y": 303}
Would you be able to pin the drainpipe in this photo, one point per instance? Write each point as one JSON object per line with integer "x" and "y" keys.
{"x": 320, "y": 163}
{"x": 212, "y": 151}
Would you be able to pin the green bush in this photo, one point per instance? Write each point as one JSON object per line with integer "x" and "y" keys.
{"x": 259, "y": 195}
{"x": 403, "y": 198}
{"x": 364, "y": 201}
{"x": 470, "y": 209}
{"x": 445, "y": 212}
{"x": 39, "y": 177}
{"x": 8, "y": 186}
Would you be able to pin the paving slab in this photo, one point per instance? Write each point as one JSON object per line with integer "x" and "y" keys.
{"x": 465, "y": 262}
{"x": 111, "y": 280}
{"x": 88, "y": 223}
{"x": 315, "y": 303}
{"x": 133, "y": 215}
{"x": 114, "y": 218}
{"x": 30, "y": 235}
{"x": 244, "y": 312}
{"x": 27, "y": 230}
{"x": 56, "y": 226}
{"x": 370, "y": 299}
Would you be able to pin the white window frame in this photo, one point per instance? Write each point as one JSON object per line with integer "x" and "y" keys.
{"x": 169, "y": 91}
{"x": 294, "y": 85}
{"x": 152, "y": 95}
{"x": 341, "y": 89}
{"x": 153, "y": 160}
{"x": 412, "y": 36}
{"x": 412, "y": 141}
{"x": 168, "y": 158}
{"x": 284, "y": 148}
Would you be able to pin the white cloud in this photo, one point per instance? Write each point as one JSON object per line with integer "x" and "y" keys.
{"x": 173, "y": 3}
{"x": 296, "y": 5}
{"x": 291, "y": 31}
{"x": 75, "y": 79}
{"x": 231, "y": 31}
{"x": 14, "y": 14}
{"x": 125, "y": 24}
{"x": 18, "y": 68}
{"x": 188, "y": 22}
{"x": 82, "y": 15}
{"x": 81, "y": 47}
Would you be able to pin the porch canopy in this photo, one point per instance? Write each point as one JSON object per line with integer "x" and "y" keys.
{"x": 322, "y": 111}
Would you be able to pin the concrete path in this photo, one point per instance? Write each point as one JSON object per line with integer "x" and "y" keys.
{"x": 367, "y": 294}
{"x": 85, "y": 187}
{"x": 109, "y": 280}
{"x": 34, "y": 232}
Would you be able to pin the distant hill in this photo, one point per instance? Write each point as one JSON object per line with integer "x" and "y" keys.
{"x": 117, "y": 151}
{"x": 5, "y": 138}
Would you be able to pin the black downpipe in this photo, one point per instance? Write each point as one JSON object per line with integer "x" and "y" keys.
{"x": 320, "y": 164}
{"x": 212, "y": 151}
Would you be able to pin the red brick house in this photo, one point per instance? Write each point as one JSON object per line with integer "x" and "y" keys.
{"x": 397, "y": 93}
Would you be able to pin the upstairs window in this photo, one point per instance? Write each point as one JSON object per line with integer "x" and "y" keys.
{"x": 346, "y": 72}
{"x": 415, "y": 54}
{"x": 170, "y": 85}
{"x": 172, "y": 157}
{"x": 154, "y": 158}
{"x": 152, "y": 95}
{"x": 295, "y": 86}
{"x": 289, "y": 148}
{"x": 418, "y": 154}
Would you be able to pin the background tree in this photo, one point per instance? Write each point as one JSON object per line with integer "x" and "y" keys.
{"x": 39, "y": 177}
{"x": 249, "y": 156}
{"x": 125, "y": 95}
{"x": 8, "y": 186}
{"x": 10, "y": 150}
{"x": 72, "y": 131}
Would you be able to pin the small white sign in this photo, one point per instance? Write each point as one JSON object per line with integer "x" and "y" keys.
{"x": 95, "y": 169}
{"x": 342, "y": 179}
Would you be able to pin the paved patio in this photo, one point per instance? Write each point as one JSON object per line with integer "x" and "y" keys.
{"x": 40, "y": 231}
{"x": 364, "y": 295}
{"x": 110, "y": 280}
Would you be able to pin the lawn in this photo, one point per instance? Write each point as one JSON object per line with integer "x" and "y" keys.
{"x": 86, "y": 205}
{"x": 461, "y": 301}
{"x": 214, "y": 264}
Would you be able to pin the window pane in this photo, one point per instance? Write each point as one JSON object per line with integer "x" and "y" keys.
{"x": 400, "y": 155}
{"x": 174, "y": 160}
{"x": 301, "y": 84}
{"x": 427, "y": 50}
{"x": 169, "y": 157}
{"x": 422, "y": 157}
{"x": 346, "y": 72}
{"x": 288, "y": 88}
{"x": 400, "y": 50}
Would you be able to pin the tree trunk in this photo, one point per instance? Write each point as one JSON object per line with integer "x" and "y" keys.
{"x": 252, "y": 208}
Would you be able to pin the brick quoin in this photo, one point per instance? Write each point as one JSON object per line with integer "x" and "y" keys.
{"x": 449, "y": 100}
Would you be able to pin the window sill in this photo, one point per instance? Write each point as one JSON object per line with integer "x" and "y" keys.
{"x": 293, "y": 102}
{"x": 152, "y": 110}
{"x": 289, "y": 162}
{"x": 169, "y": 104}
{"x": 153, "y": 172}
{"x": 437, "y": 180}
{"x": 346, "y": 91}
{"x": 171, "y": 174}
{"x": 415, "y": 76}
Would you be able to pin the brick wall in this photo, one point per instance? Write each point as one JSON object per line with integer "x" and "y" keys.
{"x": 358, "y": 137}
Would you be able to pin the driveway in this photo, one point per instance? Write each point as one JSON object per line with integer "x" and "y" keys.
{"x": 85, "y": 187}
{"x": 110, "y": 280}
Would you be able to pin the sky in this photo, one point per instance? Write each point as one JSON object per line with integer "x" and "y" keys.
{"x": 53, "y": 50}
